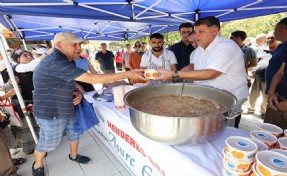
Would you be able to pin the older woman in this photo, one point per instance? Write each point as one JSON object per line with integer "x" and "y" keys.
{"x": 24, "y": 72}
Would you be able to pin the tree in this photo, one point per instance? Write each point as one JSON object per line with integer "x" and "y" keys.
{"x": 252, "y": 26}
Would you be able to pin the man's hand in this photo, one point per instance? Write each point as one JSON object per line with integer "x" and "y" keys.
{"x": 77, "y": 97}
{"x": 273, "y": 101}
{"x": 282, "y": 106}
{"x": 164, "y": 75}
{"x": 136, "y": 76}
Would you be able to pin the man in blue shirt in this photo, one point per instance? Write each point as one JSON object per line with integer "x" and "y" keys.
{"x": 184, "y": 48}
{"x": 55, "y": 95}
{"x": 276, "y": 113}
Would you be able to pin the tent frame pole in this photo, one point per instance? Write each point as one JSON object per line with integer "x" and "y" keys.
{"x": 24, "y": 43}
{"x": 15, "y": 85}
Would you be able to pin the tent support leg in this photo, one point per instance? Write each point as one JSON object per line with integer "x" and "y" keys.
{"x": 15, "y": 85}
{"x": 24, "y": 43}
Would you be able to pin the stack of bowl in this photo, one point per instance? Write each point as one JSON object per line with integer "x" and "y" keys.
{"x": 269, "y": 163}
{"x": 239, "y": 155}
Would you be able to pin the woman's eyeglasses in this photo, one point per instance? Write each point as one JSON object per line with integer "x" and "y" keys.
{"x": 138, "y": 46}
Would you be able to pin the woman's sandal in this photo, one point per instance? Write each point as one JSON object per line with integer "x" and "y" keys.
{"x": 19, "y": 161}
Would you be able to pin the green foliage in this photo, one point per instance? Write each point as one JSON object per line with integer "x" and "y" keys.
{"x": 252, "y": 26}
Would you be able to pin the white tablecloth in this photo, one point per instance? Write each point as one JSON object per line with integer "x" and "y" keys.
{"x": 144, "y": 157}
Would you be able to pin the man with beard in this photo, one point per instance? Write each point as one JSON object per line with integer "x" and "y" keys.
{"x": 158, "y": 57}
{"x": 216, "y": 62}
{"x": 55, "y": 95}
{"x": 184, "y": 48}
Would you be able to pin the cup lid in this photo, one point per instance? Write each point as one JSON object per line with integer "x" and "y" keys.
{"x": 270, "y": 128}
{"x": 263, "y": 136}
{"x": 272, "y": 160}
{"x": 261, "y": 146}
{"x": 241, "y": 143}
{"x": 284, "y": 152}
{"x": 283, "y": 141}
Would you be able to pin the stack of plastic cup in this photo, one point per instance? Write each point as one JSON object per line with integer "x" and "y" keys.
{"x": 239, "y": 155}
{"x": 119, "y": 94}
{"x": 270, "y": 163}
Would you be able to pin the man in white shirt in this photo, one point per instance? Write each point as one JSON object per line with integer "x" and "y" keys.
{"x": 216, "y": 62}
{"x": 158, "y": 57}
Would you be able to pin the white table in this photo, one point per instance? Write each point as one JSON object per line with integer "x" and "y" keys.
{"x": 145, "y": 157}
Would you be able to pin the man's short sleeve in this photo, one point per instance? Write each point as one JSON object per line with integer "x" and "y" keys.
{"x": 65, "y": 70}
{"x": 144, "y": 61}
{"x": 97, "y": 56}
{"x": 173, "y": 60}
{"x": 112, "y": 54}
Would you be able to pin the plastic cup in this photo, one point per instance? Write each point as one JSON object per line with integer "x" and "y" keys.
{"x": 271, "y": 163}
{"x": 270, "y": 128}
{"x": 268, "y": 138}
{"x": 151, "y": 74}
{"x": 282, "y": 143}
{"x": 240, "y": 148}
{"x": 119, "y": 94}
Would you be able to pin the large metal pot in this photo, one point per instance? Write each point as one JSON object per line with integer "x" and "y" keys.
{"x": 179, "y": 130}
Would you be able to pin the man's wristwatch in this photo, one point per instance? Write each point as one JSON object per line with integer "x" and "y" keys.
{"x": 175, "y": 75}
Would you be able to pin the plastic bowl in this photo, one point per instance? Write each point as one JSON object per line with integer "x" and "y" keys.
{"x": 261, "y": 146}
{"x": 237, "y": 165}
{"x": 270, "y": 128}
{"x": 240, "y": 148}
{"x": 284, "y": 152}
{"x": 271, "y": 163}
{"x": 267, "y": 138}
{"x": 282, "y": 143}
{"x": 230, "y": 172}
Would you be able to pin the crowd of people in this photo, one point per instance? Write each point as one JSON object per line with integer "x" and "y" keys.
{"x": 53, "y": 80}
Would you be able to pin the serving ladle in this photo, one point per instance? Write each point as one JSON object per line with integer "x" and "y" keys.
{"x": 182, "y": 88}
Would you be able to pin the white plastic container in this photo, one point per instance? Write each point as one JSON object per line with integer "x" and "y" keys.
{"x": 150, "y": 74}
{"x": 254, "y": 171}
{"x": 271, "y": 163}
{"x": 270, "y": 128}
{"x": 284, "y": 152}
{"x": 261, "y": 146}
{"x": 119, "y": 94}
{"x": 230, "y": 172}
{"x": 282, "y": 143}
{"x": 267, "y": 138}
{"x": 236, "y": 165}
{"x": 240, "y": 148}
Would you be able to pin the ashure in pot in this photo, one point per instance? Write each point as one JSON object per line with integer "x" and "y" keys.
{"x": 180, "y": 130}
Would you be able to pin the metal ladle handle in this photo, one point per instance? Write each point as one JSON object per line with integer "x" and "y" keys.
{"x": 182, "y": 89}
